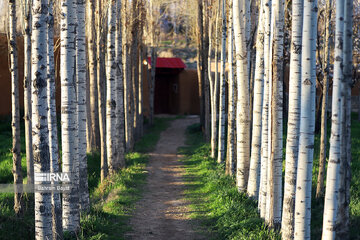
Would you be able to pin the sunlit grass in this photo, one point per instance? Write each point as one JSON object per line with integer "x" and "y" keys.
{"x": 112, "y": 201}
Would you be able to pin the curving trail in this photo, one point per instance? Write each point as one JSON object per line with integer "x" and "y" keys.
{"x": 163, "y": 213}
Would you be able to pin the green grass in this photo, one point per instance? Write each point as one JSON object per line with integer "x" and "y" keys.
{"x": 216, "y": 202}
{"x": 112, "y": 201}
{"x": 317, "y": 206}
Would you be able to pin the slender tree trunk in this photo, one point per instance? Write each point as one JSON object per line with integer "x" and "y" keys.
{"x": 27, "y": 92}
{"x": 142, "y": 57}
{"x": 243, "y": 113}
{"x": 84, "y": 202}
{"x": 255, "y": 163}
{"x": 69, "y": 119}
{"x": 128, "y": 86}
{"x": 57, "y": 229}
{"x": 15, "y": 105}
{"x": 100, "y": 90}
{"x": 135, "y": 67}
{"x": 333, "y": 180}
{"x": 231, "y": 143}
{"x": 324, "y": 104}
{"x": 119, "y": 83}
{"x": 205, "y": 52}
{"x": 265, "y": 113}
{"x": 275, "y": 161}
{"x": 307, "y": 123}
{"x": 222, "y": 97}
{"x": 212, "y": 97}
{"x": 43, "y": 221}
{"x": 111, "y": 103}
{"x": 92, "y": 56}
{"x": 342, "y": 226}
{"x": 216, "y": 77}
{"x": 200, "y": 71}
{"x": 292, "y": 142}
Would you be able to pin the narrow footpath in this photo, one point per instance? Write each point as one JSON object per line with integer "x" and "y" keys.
{"x": 163, "y": 213}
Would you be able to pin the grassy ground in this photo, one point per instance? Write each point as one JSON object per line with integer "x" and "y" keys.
{"x": 112, "y": 201}
{"x": 224, "y": 212}
{"x": 317, "y": 206}
{"x": 230, "y": 215}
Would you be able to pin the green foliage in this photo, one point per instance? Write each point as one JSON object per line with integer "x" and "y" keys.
{"x": 216, "y": 202}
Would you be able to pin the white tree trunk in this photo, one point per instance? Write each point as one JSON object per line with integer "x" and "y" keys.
{"x": 222, "y": 98}
{"x": 275, "y": 115}
{"x": 212, "y": 95}
{"x": 15, "y": 107}
{"x": 52, "y": 125}
{"x": 254, "y": 174}
{"x": 342, "y": 230}
{"x": 69, "y": 119}
{"x": 100, "y": 88}
{"x": 43, "y": 221}
{"x": 292, "y": 142}
{"x": 243, "y": 113}
{"x": 27, "y": 91}
{"x": 265, "y": 113}
{"x": 333, "y": 180}
{"x": 231, "y": 144}
{"x": 307, "y": 123}
{"x": 111, "y": 102}
{"x": 323, "y": 134}
{"x": 119, "y": 84}
{"x": 94, "y": 111}
{"x": 81, "y": 68}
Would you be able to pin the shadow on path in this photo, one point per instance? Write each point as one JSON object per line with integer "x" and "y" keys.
{"x": 163, "y": 212}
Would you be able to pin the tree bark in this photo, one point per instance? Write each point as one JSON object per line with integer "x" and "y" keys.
{"x": 43, "y": 221}
{"x": 332, "y": 183}
{"x": 111, "y": 103}
{"x": 222, "y": 97}
{"x": 292, "y": 142}
{"x": 265, "y": 114}
{"x": 243, "y": 113}
{"x": 27, "y": 92}
{"x": 324, "y": 104}
{"x": 57, "y": 229}
{"x": 100, "y": 89}
{"x": 84, "y": 202}
{"x": 69, "y": 121}
{"x": 200, "y": 71}
{"x": 255, "y": 163}
{"x": 276, "y": 121}
{"x": 343, "y": 218}
{"x": 15, "y": 105}
{"x": 231, "y": 143}
{"x": 119, "y": 83}
{"x": 307, "y": 122}
{"x": 94, "y": 143}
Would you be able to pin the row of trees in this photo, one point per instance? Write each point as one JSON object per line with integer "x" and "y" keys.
{"x": 101, "y": 45}
{"x": 257, "y": 39}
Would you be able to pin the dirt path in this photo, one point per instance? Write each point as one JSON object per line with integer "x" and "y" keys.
{"x": 163, "y": 213}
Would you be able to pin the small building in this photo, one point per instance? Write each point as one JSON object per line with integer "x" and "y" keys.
{"x": 176, "y": 88}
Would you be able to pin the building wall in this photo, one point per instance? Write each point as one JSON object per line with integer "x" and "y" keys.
{"x": 5, "y": 82}
{"x": 183, "y": 92}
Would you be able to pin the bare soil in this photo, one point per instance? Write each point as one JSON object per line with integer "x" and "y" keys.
{"x": 163, "y": 212}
